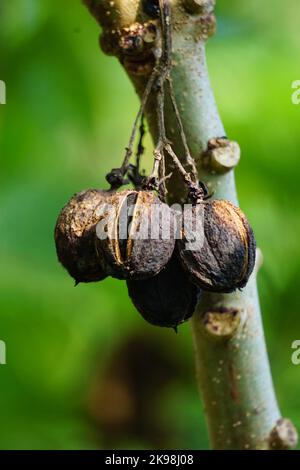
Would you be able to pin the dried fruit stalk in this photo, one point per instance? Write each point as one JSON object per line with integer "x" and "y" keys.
{"x": 232, "y": 364}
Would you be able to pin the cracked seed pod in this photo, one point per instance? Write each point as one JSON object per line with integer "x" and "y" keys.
{"x": 75, "y": 236}
{"x": 225, "y": 257}
{"x": 138, "y": 240}
{"x": 167, "y": 299}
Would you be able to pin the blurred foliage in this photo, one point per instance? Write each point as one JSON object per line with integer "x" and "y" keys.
{"x": 72, "y": 354}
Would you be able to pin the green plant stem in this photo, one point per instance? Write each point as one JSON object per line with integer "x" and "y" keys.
{"x": 233, "y": 370}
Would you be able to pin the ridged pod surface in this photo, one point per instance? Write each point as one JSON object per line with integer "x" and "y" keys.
{"x": 225, "y": 258}
{"x": 75, "y": 235}
{"x": 139, "y": 243}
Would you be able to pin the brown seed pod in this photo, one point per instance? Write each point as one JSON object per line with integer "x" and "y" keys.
{"x": 139, "y": 240}
{"x": 75, "y": 235}
{"x": 168, "y": 298}
{"x": 225, "y": 257}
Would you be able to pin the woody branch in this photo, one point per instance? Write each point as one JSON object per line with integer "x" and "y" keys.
{"x": 233, "y": 369}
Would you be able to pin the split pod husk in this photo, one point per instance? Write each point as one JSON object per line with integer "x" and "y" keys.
{"x": 135, "y": 236}
{"x": 222, "y": 257}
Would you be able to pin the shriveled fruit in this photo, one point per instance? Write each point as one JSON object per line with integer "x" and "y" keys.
{"x": 75, "y": 235}
{"x": 139, "y": 235}
{"x": 167, "y": 299}
{"x": 224, "y": 256}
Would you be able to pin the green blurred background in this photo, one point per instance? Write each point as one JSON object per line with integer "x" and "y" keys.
{"x": 83, "y": 369}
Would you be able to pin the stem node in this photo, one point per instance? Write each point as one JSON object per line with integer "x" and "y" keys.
{"x": 224, "y": 323}
{"x": 221, "y": 156}
{"x": 283, "y": 436}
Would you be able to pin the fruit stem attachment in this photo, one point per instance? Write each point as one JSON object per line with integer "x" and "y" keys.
{"x": 134, "y": 171}
{"x": 116, "y": 176}
{"x": 163, "y": 144}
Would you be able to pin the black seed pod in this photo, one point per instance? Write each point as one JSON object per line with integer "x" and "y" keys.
{"x": 75, "y": 235}
{"x": 168, "y": 298}
{"x": 139, "y": 235}
{"x": 223, "y": 257}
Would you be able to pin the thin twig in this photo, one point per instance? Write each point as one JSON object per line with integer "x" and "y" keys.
{"x": 140, "y": 147}
{"x": 186, "y": 176}
{"x": 162, "y": 182}
{"x": 165, "y": 178}
{"x": 189, "y": 159}
{"x": 166, "y": 33}
{"x": 134, "y": 171}
{"x": 144, "y": 100}
{"x": 159, "y": 149}
{"x": 166, "y": 66}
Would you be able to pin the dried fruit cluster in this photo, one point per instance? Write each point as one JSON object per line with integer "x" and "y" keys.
{"x": 122, "y": 233}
